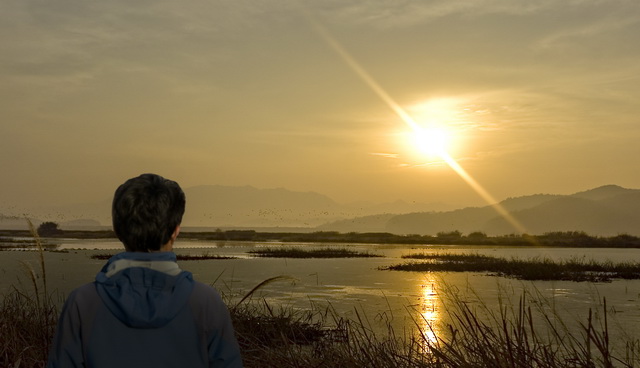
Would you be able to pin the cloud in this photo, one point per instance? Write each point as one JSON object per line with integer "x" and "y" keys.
{"x": 384, "y": 14}
{"x": 387, "y": 155}
{"x": 583, "y": 32}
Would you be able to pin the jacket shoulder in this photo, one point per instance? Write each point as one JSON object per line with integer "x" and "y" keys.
{"x": 204, "y": 294}
{"x": 85, "y": 295}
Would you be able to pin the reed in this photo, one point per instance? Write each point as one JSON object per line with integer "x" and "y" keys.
{"x": 28, "y": 320}
{"x": 526, "y": 333}
{"x": 26, "y": 330}
{"x": 284, "y": 337}
{"x": 523, "y": 333}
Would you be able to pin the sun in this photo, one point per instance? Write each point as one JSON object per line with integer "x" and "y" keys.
{"x": 432, "y": 133}
{"x": 431, "y": 142}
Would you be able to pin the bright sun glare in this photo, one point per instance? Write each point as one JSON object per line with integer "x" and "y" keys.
{"x": 431, "y": 141}
{"x": 432, "y": 134}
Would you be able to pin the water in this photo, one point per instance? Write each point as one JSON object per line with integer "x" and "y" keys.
{"x": 352, "y": 285}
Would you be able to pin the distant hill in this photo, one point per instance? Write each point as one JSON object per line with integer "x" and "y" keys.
{"x": 363, "y": 224}
{"x": 227, "y": 206}
{"x": 604, "y": 192}
{"x": 607, "y": 210}
{"x": 20, "y": 223}
{"x": 81, "y": 225}
{"x": 13, "y": 223}
{"x": 529, "y": 201}
{"x": 218, "y": 206}
{"x": 603, "y": 211}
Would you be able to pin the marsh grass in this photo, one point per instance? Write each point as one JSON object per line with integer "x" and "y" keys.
{"x": 27, "y": 325}
{"x": 526, "y": 333}
{"x": 28, "y": 319}
{"x": 524, "y": 269}
{"x": 284, "y": 337}
{"x": 294, "y": 252}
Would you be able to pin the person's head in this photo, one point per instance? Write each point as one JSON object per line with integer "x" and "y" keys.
{"x": 147, "y": 212}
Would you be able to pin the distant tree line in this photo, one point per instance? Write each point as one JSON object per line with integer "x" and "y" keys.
{"x": 555, "y": 238}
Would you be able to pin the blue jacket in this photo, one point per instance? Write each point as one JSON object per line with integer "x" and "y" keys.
{"x": 143, "y": 311}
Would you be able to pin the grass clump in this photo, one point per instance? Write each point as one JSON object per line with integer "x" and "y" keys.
{"x": 27, "y": 325}
{"x": 284, "y": 337}
{"x": 294, "y": 252}
{"x": 524, "y": 269}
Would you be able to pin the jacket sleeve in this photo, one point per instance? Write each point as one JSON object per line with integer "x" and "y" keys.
{"x": 224, "y": 350}
{"x": 222, "y": 346}
{"x": 74, "y": 326}
{"x": 66, "y": 349}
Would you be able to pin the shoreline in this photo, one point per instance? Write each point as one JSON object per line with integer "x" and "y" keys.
{"x": 575, "y": 239}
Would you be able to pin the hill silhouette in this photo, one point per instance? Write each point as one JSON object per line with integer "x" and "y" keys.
{"x": 607, "y": 211}
{"x": 247, "y": 206}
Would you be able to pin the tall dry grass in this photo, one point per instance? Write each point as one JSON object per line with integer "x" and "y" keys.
{"x": 526, "y": 334}
{"x": 28, "y": 318}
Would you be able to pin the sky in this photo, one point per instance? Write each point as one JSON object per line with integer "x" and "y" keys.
{"x": 533, "y": 96}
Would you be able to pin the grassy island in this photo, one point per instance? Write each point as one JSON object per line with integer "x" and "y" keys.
{"x": 293, "y": 252}
{"x": 179, "y": 257}
{"x": 524, "y": 269}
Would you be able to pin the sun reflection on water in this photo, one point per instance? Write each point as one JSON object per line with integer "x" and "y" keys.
{"x": 429, "y": 308}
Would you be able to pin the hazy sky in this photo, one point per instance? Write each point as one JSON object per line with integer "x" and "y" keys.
{"x": 537, "y": 96}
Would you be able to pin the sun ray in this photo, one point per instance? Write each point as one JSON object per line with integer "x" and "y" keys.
{"x": 408, "y": 120}
{"x": 483, "y": 192}
{"x": 366, "y": 78}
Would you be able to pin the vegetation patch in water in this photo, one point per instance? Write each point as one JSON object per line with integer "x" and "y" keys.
{"x": 180, "y": 257}
{"x": 293, "y": 252}
{"x": 524, "y": 269}
{"x": 10, "y": 243}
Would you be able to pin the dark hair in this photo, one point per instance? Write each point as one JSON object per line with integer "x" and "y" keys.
{"x": 146, "y": 210}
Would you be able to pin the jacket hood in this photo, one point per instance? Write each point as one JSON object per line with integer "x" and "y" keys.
{"x": 144, "y": 290}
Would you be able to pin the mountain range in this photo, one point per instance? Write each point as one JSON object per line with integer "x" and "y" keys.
{"x": 606, "y": 210}
{"x": 218, "y": 206}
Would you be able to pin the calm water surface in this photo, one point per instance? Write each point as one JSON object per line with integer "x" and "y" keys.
{"x": 403, "y": 299}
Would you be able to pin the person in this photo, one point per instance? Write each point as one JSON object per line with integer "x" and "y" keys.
{"x": 143, "y": 310}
